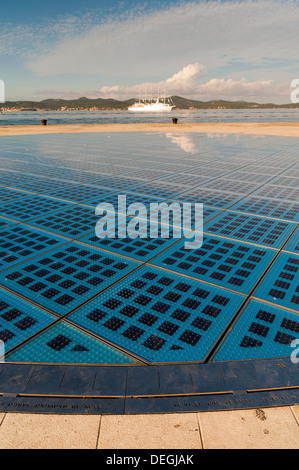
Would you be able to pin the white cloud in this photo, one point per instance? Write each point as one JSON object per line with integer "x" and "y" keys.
{"x": 183, "y": 82}
{"x": 188, "y": 142}
{"x": 248, "y": 49}
{"x": 241, "y": 89}
{"x": 187, "y": 83}
{"x": 160, "y": 42}
{"x": 186, "y": 80}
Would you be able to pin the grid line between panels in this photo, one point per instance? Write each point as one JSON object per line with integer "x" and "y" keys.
{"x": 64, "y": 278}
{"x": 160, "y": 316}
{"x": 262, "y": 330}
{"x": 64, "y": 343}
{"x": 233, "y": 265}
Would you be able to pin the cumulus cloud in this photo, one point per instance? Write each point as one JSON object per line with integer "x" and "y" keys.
{"x": 182, "y": 82}
{"x": 187, "y": 83}
{"x": 190, "y": 82}
{"x": 241, "y": 89}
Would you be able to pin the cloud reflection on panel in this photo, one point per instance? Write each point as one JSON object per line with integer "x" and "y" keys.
{"x": 186, "y": 142}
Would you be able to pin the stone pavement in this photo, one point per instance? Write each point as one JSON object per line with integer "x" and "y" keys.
{"x": 267, "y": 428}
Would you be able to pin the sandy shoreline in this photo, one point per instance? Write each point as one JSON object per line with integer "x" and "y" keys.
{"x": 289, "y": 129}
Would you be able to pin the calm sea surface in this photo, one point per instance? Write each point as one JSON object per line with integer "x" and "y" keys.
{"x": 125, "y": 117}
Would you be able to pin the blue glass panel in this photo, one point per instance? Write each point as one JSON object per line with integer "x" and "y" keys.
{"x": 293, "y": 243}
{"x": 269, "y": 208}
{"x": 64, "y": 343}
{"x": 64, "y": 278}
{"x": 131, "y": 198}
{"x": 278, "y": 192}
{"x": 142, "y": 248}
{"x": 283, "y": 180}
{"x": 160, "y": 316}
{"x": 223, "y": 184}
{"x": 19, "y": 320}
{"x": 257, "y": 230}
{"x": 19, "y": 243}
{"x": 8, "y": 195}
{"x": 29, "y": 207}
{"x": 209, "y": 197}
{"x": 281, "y": 285}
{"x": 73, "y": 222}
{"x": 5, "y": 223}
{"x": 230, "y": 264}
{"x": 157, "y": 189}
{"x": 261, "y": 331}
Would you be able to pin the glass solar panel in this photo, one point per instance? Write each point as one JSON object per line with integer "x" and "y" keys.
{"x": 293, "y": 244}
{"x": 230, "y": 264}
{"x": 258, "y": 230}
{"x": 66, "y": 344}
{"x": 274, "y": 208}
{"x": 29, "y": 207}
{"x": 261, "y": 331}
{"x": 19, "y": 243}
{"x": 281, "y": 284}
{"x": 63, "y": 278}
{"x": 160, "y": 316}
{"x": 68, "y": 296}
{"x": 19, "y": 320}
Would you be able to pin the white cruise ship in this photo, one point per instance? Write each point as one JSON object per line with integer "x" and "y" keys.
{"x": 152, "y": 106}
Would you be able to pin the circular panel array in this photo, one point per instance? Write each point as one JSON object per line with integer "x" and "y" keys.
{"x": 68, "y": 296}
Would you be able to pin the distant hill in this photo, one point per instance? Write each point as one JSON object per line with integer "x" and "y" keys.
{"x": 60, "y": 104}
{"x": 183, "y": 103}
{"x": 111, "y": 104}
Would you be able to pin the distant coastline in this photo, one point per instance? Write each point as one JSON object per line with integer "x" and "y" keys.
{"x": 86, "y": 104}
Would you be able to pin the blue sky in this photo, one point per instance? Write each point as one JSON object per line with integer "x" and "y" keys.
{"x": 36, "y": 10}
{"x": 212, "y": 49}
